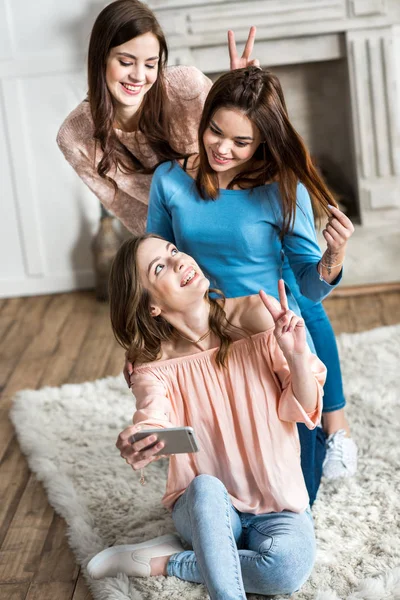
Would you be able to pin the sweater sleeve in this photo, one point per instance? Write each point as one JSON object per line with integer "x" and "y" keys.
{"x": 303, "y": 252}
{"x": 188, "y": 84}
{"x": 289, "y": 408}
{"x": 127, "y": 207}
{"x": 187, "y": 89}
{"x": 159, "y": 219}
{"x": 153, "y": 408}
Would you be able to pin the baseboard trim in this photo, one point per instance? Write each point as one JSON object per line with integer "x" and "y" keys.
{"x": 362, "y": 290}
{"x": 54, "y": 283}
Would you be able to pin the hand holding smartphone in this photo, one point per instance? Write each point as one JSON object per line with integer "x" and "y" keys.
{"x": 177, "y": 440}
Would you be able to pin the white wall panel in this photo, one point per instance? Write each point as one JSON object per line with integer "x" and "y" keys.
{"x": 6, "y": 43}
{"x": 57, "y": 213}
{"x": 395, "y": 121}
{"x": 23, "y": 174}
{"x": 69, "y": 211}
{"x": 11, "y": 258}
{"x": 49, "y": 26}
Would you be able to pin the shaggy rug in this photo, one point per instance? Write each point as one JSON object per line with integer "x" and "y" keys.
{"x": 69, "y": 434}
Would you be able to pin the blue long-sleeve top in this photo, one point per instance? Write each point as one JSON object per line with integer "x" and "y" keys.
{"x": 236, "y": 238}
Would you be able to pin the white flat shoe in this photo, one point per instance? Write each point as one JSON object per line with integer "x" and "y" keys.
{"x": 132, "y": 559}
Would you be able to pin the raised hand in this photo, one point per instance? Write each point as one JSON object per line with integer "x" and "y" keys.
{"x": 290, "y": 332}
{"x": 338, "y": 230}
{"x": 245, "y": 60}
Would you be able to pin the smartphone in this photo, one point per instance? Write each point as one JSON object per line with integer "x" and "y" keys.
{"x": 177, "y": 440}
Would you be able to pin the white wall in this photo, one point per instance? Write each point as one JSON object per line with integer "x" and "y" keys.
{"x": 48, "y": 215}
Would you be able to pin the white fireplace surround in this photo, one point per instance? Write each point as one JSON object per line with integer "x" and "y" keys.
{"x": 49, "y": 216}
{"x": 363, "y": 32}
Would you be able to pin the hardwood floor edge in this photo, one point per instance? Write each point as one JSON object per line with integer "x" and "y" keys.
{"x": 363, "y": 290}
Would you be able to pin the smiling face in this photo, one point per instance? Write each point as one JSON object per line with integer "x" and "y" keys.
{"x": 230, "y": 141}
{"x": 173, "y": 279}
{"x": 132, "y": 69}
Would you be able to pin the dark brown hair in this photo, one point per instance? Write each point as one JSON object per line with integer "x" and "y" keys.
{"x": 257, "y": 93}
{"x": 134, "y": 328}
{"x": 118, "y": 23}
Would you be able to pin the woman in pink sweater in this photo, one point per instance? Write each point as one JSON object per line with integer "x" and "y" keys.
{"x": 138, "y": 112}
{"x": 239, "y": 371}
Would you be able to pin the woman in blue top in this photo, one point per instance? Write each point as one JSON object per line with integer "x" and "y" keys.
{"x": 242, "y": 208}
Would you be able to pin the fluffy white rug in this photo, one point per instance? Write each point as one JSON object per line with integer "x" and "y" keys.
{"x": 69, "y": 434}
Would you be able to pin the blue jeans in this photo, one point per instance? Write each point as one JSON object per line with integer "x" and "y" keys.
{"x": 233, "y": 552}
{"x": 320, "y": 330}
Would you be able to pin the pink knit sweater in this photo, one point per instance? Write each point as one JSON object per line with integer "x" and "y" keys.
{"x": 187, "y": 89}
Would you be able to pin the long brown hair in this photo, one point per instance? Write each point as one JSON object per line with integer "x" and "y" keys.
{"x": 116, "y": 24}
{"x": 257, "y": 93}
{"x": 134, "y": 328}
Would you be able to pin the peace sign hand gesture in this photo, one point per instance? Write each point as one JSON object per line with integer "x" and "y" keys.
{"x": 243, "y": 61}
{"x": 290, "y": 332}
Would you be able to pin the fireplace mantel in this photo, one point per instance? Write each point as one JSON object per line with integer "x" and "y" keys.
{"x": 193, "y": 26}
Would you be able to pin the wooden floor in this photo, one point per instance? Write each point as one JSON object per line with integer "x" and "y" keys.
{"x": 66, "y": 338}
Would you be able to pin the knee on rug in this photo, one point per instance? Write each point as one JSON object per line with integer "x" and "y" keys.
{"x": 286, "y": 564}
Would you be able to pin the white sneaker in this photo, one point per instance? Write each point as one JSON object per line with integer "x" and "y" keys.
{"x": 132, "y": 559}
{"x": 341, "y": 456}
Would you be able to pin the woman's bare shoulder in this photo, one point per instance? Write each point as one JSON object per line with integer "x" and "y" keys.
{"x": 249, "y": 313}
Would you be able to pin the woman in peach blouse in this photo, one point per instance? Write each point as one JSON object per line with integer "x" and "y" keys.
{"x": 239, "y": 371}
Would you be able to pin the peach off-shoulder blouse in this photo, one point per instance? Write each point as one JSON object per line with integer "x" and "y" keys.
{"x": 244, "y": 417}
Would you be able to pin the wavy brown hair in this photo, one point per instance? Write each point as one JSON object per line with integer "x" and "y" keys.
{"x": 258, "y": 94}
{"x": 134, "y": 328}
{"x": 116, "y": 24}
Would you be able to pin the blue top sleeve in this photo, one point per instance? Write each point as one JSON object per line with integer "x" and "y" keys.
{"x": 303, "y": 252}
{"x": 159, "y": 218}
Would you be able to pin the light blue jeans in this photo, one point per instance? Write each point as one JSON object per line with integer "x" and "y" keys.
{"x": 233, "y": 552}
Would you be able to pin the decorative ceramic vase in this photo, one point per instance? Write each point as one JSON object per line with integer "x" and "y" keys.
{"x": 104, "y": 248}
